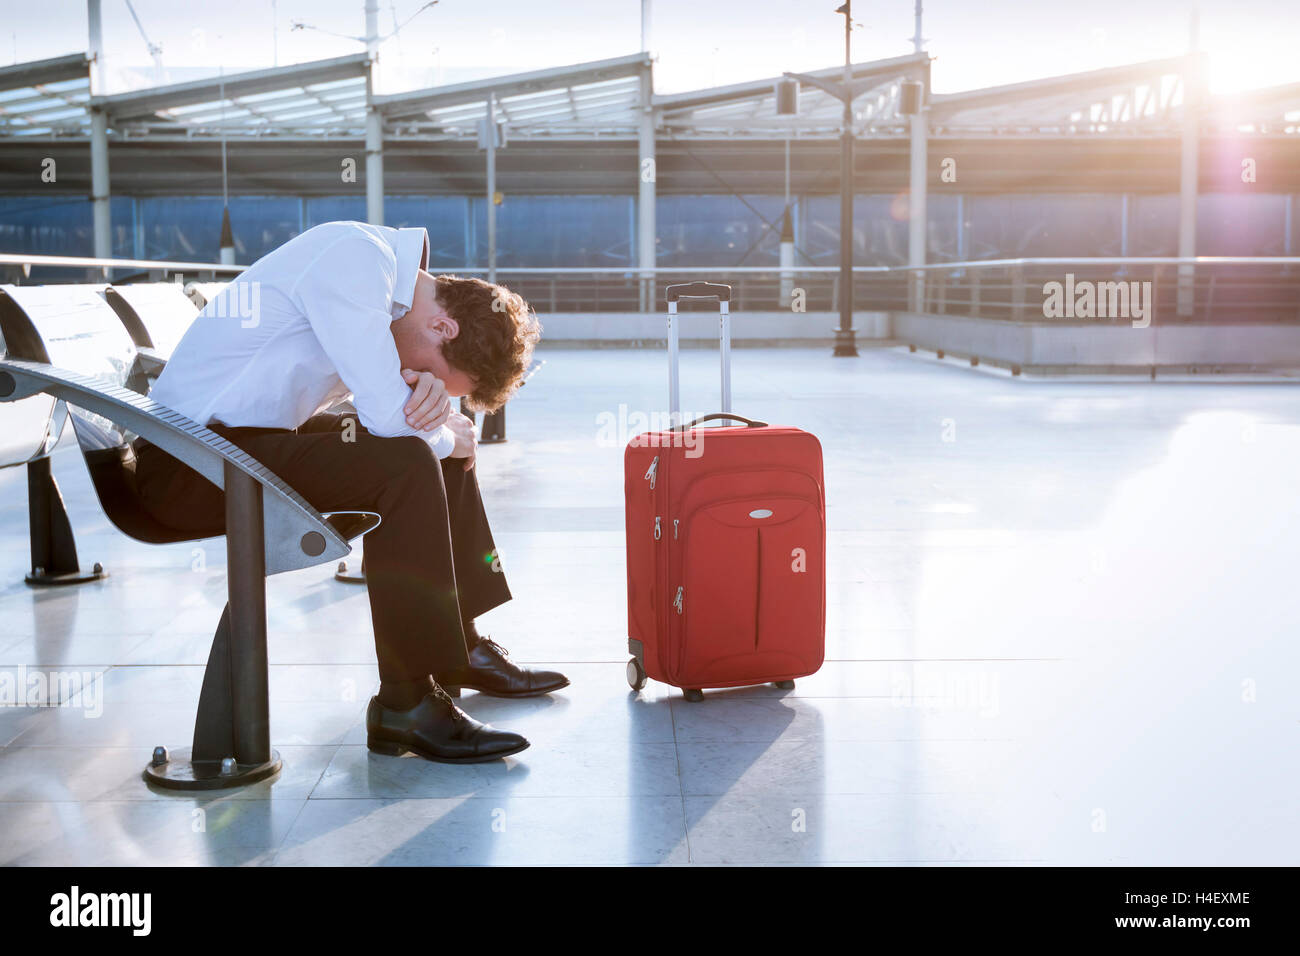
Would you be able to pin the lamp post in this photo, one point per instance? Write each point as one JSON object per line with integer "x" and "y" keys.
{"x": 844, "y": 343}
{"x": 845, "y": 91}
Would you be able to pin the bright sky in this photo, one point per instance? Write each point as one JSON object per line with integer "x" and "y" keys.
{"x": 978, "y": 43}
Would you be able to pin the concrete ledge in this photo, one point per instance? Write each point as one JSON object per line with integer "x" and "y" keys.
{"x": 1071, "y": 346}
{"x": 632, "y": 329}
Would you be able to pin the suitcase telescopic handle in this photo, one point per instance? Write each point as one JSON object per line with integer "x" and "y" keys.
{"x": 699, "y": 290}
{"x": 749, "y": 422}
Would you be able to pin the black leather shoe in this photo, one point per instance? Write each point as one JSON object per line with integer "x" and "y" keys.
{"x": 492, "y": 672}
{"x": 437, "y": 729}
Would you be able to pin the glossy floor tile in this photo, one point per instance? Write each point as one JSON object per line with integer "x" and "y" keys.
{"x": 1060, "y": 629}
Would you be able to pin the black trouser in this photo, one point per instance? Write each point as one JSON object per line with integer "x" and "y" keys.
{"x": 429, "y": 565}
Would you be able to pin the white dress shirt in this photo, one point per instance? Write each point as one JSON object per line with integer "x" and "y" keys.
{"x": 300, "y": 329}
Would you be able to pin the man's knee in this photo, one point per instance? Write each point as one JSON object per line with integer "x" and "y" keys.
{"x": 408, "y": 458}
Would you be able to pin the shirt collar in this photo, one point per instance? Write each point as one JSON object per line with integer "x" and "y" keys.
{"x": 412, "y": 248}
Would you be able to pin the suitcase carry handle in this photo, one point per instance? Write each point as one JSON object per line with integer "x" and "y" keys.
{"x": 749, "y": 422}
{"x": 699, "y": 290}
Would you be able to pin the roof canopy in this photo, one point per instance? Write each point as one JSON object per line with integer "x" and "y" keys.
{"x": 43, "y": 96}
{"x": 750, "y": 108}
{"x": 327, "y": 99}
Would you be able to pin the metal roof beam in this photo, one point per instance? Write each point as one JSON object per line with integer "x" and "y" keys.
{"x": 528, "y": 109}
{"x": 44, "y": 99}
{"x": 354, "y": 99}
{"x": 885, "y": 69}
{"x": 125, "y": 106}
{"x": 823, "y": 107}
{"x": 1076, "y": 86}
{"x": 20, "y": 76}
{"x": 779, "y": 125}
{"x": 311, "y": 115}
{"x": 419, "y": 102}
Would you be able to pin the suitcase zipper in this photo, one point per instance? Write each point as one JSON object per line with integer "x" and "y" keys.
{"x": 758, "y": 579}
{"x": 749, "y": 470}
{"x": 677, "y": 601}
{"x": 661, "y": 560}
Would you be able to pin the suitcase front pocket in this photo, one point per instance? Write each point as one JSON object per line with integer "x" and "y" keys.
{"x": 750, "y": 602}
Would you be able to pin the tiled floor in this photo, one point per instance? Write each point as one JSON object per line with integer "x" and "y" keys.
{"x": 1061, "y": 628}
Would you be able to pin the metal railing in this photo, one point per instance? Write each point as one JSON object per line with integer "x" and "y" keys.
{"x": 20, "y": 264}
{"x": 1200, "y": 289}
{"x": 621, "y": 289}
{"x": 1240, "y": 289}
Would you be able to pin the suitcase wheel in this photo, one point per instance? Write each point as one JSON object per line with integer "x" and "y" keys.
{"x": 636, "y": 676}
{"x": 692, "y": 694}
{"x": 784, "y": 684}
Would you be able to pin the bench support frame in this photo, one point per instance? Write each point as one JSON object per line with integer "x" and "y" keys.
{"x": 54, "y": 547}
{"x": 269, "y": 529}
{"x": 232, "y": 731}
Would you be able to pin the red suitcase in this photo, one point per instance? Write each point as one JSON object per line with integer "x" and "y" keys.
{"x": 726, "y": 542}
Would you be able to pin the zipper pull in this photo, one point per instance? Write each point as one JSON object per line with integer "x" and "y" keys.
{"x": 677, "y": 601}
{"x": 656, "y": 527}
{"x": 675, "y": 529}
{"x": 650, "y": 474}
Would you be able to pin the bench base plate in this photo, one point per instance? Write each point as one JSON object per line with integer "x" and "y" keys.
{"x": 179, "y": 772}
{"x": 47, "y": 580}
{"x": 346, "y": 575}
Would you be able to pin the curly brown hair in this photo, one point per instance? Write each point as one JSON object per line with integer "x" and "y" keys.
{"x": 498, "y": 330}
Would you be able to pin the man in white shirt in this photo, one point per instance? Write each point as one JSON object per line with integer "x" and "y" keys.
{"x": 348, "y": 309}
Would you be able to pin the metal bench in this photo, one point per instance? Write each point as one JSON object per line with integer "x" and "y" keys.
{"x": 72, "y": 327}
{"x": 156, "y": 315}
{"x": 88, "y": 329}
{"x": 201, "y": 293}
{"x": 269, "y": 529}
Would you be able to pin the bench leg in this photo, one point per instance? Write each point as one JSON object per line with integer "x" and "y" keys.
{"x": 494, "y": 427}
{"x": 349, "y": 576}
{"x": 232, "y": 732}
{"x": 54, "y": 547}
{"x": 493, "y": 431}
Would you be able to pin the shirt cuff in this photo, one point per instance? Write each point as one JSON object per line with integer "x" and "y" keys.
{"x": 443, "y": 442}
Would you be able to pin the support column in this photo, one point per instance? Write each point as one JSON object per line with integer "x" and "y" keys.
{"x": 845, "y": 346}
{"x": 102, "y": 229}
{"x": 374, "y": 162}
{"x": 99, "y": 186}
{"x": 1287, "y": 229}
{"x": 95, "y": 46}
{"x": 137, "y": 231}
{"x": 1124, "y": 203}
{"x": 491, "y": 136}
{"x": 786, "y": 251}
{"x": 647, "y": 174}
{"x": 916, "y": 236}
{"x": 374, "y": 123}
{"x": 963, "y": 239}
{"x": 786, "y": 254}
{"x": 1189, "y": 171}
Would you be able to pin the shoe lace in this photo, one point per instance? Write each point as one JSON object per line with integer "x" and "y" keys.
{"x": 446, "y": 698}
{"x": 501, "y": 651}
